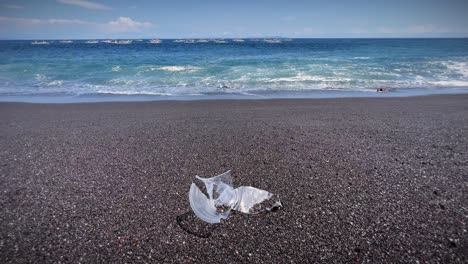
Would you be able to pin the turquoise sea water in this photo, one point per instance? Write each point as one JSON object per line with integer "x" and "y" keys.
{"x": 252, "y": 68}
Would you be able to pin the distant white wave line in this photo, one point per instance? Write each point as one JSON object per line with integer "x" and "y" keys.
{"x": 116, "y": 68}
{"x": 176, "y": 68}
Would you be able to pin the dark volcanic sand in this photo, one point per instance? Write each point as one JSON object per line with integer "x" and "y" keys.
{"x": 362, "y": 180}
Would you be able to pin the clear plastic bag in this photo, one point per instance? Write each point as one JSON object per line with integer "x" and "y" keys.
{"x": 221, "y": 198}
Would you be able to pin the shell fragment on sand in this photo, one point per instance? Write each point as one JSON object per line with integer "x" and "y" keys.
{"x": 221, "y": 198}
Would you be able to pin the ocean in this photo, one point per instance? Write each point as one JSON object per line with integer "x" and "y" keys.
{"x": 249, "y": 68}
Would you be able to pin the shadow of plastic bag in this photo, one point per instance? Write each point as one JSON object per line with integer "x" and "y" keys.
{"x": 191, "y": 224}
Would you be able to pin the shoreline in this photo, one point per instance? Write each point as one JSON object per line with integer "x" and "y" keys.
{"x": 361, "y": 179}
{"x": 315, "y": 94}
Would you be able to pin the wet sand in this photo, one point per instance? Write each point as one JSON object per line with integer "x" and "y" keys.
{"x": 369, "y": 179}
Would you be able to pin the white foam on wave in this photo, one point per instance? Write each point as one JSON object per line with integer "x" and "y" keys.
{"x": 40, "y": 77}
{"x": 54, "y": 83}
{"x": 417, "y": 82}
{"x": 303, "y": 78}
{"x": 132, "y": 92}
{"x": 457, "y": 67}
{"x": 43, "y": 80}
{"x": 116, "y": 68}
{"x": 450, "y": 83}
{"x": 122, "y": 81}
{"x": 381, "y": 73}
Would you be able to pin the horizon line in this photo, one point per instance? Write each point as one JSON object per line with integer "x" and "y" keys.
{"x": 266, "y": 37}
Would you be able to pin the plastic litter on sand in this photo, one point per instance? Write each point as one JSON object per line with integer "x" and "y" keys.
{"x": 221, "y": 197}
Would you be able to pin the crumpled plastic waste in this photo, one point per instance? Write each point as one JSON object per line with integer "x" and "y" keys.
{"x": 221, "y": 198}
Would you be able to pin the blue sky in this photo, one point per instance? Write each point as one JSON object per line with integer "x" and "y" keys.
{"x": 87, "y": 19}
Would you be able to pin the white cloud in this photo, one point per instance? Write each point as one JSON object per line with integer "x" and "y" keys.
{"x": 68, "y": 21}
{"x": 85, "y": 4}
{"x": 121, "y": 25}
{"x": 20, "y": 21}
{"x": 35, "y": 21}
{"x": 11, "y": 6}
{"x": 126, "y": 24}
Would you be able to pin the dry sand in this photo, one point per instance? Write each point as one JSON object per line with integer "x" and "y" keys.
{"x": 370, "y": 179}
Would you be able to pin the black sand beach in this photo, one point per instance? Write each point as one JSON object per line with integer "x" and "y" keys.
{"x": 362, "y": 180}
